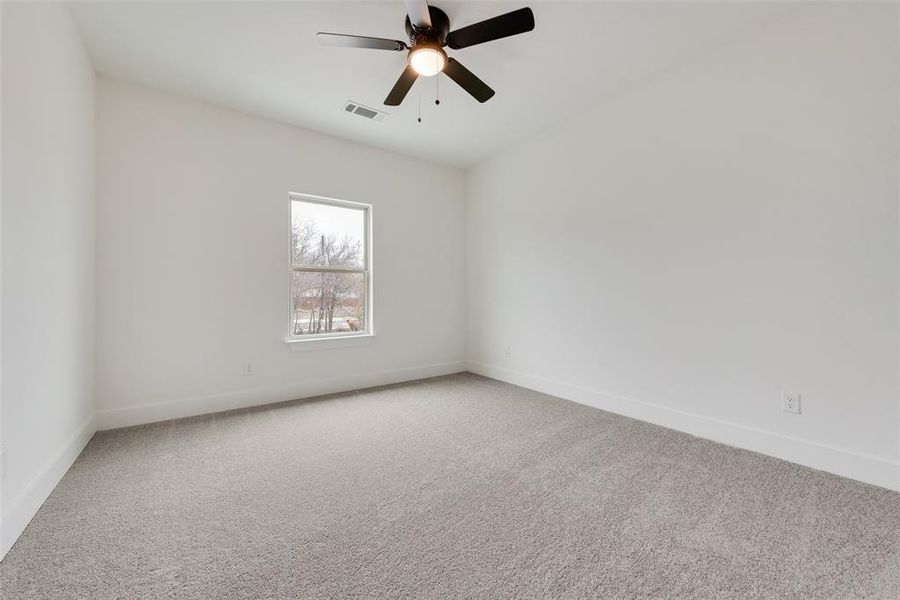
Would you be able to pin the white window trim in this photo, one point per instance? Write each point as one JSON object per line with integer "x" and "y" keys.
{"x": 346, "y": 340}
{"x": 302, "y": 343}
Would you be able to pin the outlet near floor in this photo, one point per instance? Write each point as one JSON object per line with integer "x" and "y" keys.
{"x": 790, "y": 402}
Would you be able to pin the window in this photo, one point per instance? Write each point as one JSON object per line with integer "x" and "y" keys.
{"x": 330, "y": 271}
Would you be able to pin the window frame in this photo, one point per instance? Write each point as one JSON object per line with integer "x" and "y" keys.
{"x": 332, "y": 339}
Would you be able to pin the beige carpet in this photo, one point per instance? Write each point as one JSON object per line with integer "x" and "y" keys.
{"x": 452, "y": 487}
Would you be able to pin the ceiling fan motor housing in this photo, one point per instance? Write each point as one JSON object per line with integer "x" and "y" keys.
{"x": 436, "y": 34}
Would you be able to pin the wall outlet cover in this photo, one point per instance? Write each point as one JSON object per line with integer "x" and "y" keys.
{"x": 790, "y": 402}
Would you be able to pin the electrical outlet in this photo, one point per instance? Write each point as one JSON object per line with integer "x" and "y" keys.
{"x": 506, "y": 354}
{"x": 790, "y": 402}
{"x": 249, "y": 369}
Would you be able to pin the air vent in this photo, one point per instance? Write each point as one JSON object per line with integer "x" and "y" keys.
{"x": 364, "y": 111}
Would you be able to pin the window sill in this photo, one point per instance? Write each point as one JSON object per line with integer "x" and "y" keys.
{"x": 323, "y": 343}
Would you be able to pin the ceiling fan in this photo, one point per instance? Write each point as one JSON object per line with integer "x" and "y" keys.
{"x": 429, "y": 32}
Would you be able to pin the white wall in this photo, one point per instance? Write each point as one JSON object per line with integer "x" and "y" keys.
{"x": 47, "y": 255}
{"x": 687, "y": 251}
{"x": 192, "y": 238}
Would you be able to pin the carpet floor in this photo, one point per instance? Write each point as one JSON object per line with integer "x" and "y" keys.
{"x": 458, "y": 486}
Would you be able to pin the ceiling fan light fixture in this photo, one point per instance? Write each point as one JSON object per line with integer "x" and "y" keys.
{"x": 427, "y": 60}
{"x": 428, "y": 28}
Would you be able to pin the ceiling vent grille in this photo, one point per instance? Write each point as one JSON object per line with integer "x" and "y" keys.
{"x": 364, "y": 111}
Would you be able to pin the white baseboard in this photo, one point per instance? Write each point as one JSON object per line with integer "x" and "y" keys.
{"x": 24, "y": 506}
{"x": 862, "y": 467}
{"x": 189, "y": 407}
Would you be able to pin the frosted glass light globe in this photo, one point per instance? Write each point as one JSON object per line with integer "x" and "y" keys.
{"x": 427, "y": 61}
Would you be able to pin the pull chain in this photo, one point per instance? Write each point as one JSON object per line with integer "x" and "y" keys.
{"x": 419, "y": 96}
{"x": 437, "y": 89}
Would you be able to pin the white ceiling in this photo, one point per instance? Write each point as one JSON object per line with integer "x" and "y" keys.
{"x": 263, "y": 58}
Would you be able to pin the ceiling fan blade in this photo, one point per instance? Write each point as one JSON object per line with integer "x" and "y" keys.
{"x": 400, "y": 89}
{"x": 359, "y": 41}
{"x": 468, "y": 81}
{"x": 512, "y": 23}
{"x": 418, "y": 13}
